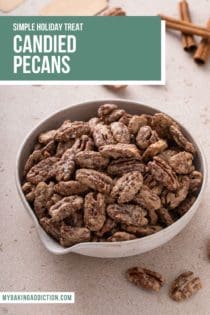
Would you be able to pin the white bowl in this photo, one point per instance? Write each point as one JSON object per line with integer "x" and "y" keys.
{"x": 84, "y": 111}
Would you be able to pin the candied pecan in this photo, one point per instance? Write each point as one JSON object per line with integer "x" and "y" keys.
{"x": 63, "y": 146}
{"x": 181, "y": 140}
{"x": 163, "y": 173}
{"x": 98, "y": 181}
{"x": 162, "y": 123}
{"x": 150, "y": 201}
{"x": 110, "y": 113}
{"x": 51, "y": 227}
{"x": 39, "y": 155}
{"x": 94, "y": 211}
{"x": 154, "y": 149}
{"x": 174, "y": 199}
{"x": 66, "y": 207}
{"x": 91, "y": 159}
{"x": 102, "y": 135}
{"x": 165, "y": 216}
{"x": 128, "y": 214}
{"x": 93, "y": 122}
{"x": 107, "y": 228}
{"x": 142, "y": 230}
{"x": 29, "y": 191}
{"x": 70, "y": 130}
{"x": 124, "y": 165}
{"x": 43, "y": 193}
{"x": 145, "y": 137}
{"x": 125, "y": 119}
{"x": 145, "y": 278}
{"x": 168, "y": 153}
{"x": 71, "y": 187}
{"x": 64, "y": 168}
{"x": 127, "y": 186}
{"x": 181, "y": 162}
{"x": 47, "y": 136}
{"x": 75, "y": 220}
{"x": 41, "y": 171}
{"x": 73, "y": 235}
{"x": 120, "y": 150}
{"x": 196, "y": 179}
{"x": 84, "y": 143}
{"x": 120, "y": 132}
{"x": 121, "y": 236}
{"x": 184, "y": 286}
{"x": 153, "y": 184}
{"x": 136, "y": 122}
{"x": 186, "y": 205}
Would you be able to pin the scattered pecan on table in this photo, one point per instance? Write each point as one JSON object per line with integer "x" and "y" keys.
{"x": 116, "y": 177}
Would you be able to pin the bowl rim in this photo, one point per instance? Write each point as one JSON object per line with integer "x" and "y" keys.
{"x": 145, "y": 239}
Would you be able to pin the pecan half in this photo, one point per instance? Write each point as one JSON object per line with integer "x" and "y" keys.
{"x": 64, "y": 168}
{"x": 71, "y": 187}
{"x": 51, "y": 227}
{"x": 120, "y": 150}
{"x": 136, "y": 122}
{"x": 70, "y": 236}
{"x": 145, "y": 137}
{"x": 128, "y": 214}
{"x": 43, "y": 194}
{"x": 127, "y": 186}
{"x": 66, "y": 207}
{"x": 181, "y": 140}
{"x": 41, "y": 172}
{"x": 196, "y": 179}
{"x": 91, "y": 159}
{"x": 107, "y": 228}
{"x": 142, "y": 230}
{"x": 186, "y": 205}
{"x": 185, "y": 286}
{"x": 102, "y": 135}
{"x": 154, "y": 149}
{"x": 162, "y": 123}
{"x": 70, "y": 130}
{"x": 165, "y": 217}
{"x": 29, "y": 191}
{"x": 94, "y": 211}
{"x": 63, "y": 146}
{"x": 181, "y": 163}
{"x": 47, "y": 136}
{"x": 145, "y": 278}
{"x": 110, "y": 113}
{"x": 174, "y": 199}
{"x": 163, "y": 173}
{"x": 121, "y": 236}
{"x": 120, "y": 132}
{"x": 124, "y": 165}
{"x": 96, "y": 180}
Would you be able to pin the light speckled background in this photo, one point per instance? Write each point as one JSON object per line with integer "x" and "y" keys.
{"x": 99, "y": 284}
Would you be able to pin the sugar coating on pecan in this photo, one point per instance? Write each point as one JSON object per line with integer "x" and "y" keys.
{"x": 128, "y": 214}
{"x": 184, "y": 286}
{"x": 127, "y": 186}
{"x": 66, "y": 207}
{"x": 145, "y": 278}
{"x": 114, "y": 177}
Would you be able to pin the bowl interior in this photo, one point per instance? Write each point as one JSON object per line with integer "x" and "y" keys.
{"x": 83, "y": 111}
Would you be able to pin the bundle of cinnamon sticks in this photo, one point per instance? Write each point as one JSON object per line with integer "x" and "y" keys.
{"x": 188, "y": 31}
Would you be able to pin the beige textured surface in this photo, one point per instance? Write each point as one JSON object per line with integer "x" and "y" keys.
{"x": 99, "y": 284}
{"x": 9, "y": 5}
{"x": 74, "y": 7}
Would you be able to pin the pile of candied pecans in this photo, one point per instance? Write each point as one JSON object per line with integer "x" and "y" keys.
{"x": 116, "y": 177}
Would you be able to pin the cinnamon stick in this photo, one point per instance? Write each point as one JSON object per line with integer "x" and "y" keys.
{"x": 185, "y": 27}
{"x": 188, "y": 41}
{"x": 114, "y": 12}
{"x": 203, "y": 52}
